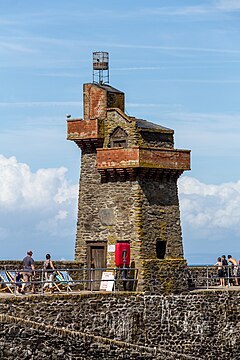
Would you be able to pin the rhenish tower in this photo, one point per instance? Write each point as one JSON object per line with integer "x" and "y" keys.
{"x": 128, "y": 182}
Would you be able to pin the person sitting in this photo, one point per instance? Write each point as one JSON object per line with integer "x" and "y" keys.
{"x": 49, "y": 271}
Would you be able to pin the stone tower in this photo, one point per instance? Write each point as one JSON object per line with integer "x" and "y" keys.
{"x": 128, "y": 184}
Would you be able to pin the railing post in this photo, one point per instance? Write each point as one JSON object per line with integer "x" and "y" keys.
{"x": 91, "y": 279}
{"x": 15, "y": 282}
{"x": 114, "y": 284}
{"x": 42, "y": 281}
{"x": 207, "y": 277}
{"x": 228, "y": 277}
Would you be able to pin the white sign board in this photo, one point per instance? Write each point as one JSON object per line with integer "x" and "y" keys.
{"x": 107, "y": 281}
{"x": 111, "y": 248}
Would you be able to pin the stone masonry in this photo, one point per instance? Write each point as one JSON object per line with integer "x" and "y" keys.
{"x": 128, "y": 182}
{"x": 202, "y": 325}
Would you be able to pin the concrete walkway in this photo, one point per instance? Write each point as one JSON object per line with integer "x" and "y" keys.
{"x": 217, "y": 288}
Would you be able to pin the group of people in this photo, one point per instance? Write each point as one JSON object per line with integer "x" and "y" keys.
{"x": 27, "y": 275}
{"x": 227, "y": 269}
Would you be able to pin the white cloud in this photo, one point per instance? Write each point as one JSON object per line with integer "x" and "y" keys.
{"x": 212, "y": 7}
{"x": 61, "y": 215}
{"x": 22, "y": 189}
{"x": 52, "y": 225}
{"x": 14, "y": 47}
{"x": 37, "y": 209}
{"x": 177, "y": 48}
{"x": 40, "y": 104}
{"x": 212, "y": 207}
{"x": 228, "y": 5}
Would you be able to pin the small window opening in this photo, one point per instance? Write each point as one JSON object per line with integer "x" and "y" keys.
{"x": 161, "y": 249}
{"x": 119, "y": 143}
{"x": 119, "y": 138}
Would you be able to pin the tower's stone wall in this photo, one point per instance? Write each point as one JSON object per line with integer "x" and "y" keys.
{"x": 106, "y": 210}
{"x": 160, "y": 218}
{"x": 139, "y": 211}
{"x": 128, "y": 184}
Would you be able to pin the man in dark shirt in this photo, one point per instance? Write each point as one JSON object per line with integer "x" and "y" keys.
{"x": 28, "y": 271}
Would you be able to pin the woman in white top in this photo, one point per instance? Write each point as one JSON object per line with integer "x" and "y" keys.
{"x": 49, "y": 270}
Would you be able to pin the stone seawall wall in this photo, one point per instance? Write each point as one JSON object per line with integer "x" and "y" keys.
{"x": 59, "y": 264}
{"x": 204, "y": 325}
{"x": 29, "y": 340}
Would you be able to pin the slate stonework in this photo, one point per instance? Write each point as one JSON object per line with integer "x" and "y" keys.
{"x": 138, "y": 211}
{"x": 187, "y": 326}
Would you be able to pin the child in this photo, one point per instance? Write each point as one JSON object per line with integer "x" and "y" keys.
{"x": 18, "y": 278}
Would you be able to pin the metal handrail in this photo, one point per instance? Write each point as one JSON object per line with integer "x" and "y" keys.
{"x": 85, "y": 280}
{"x": 211, "y": 275}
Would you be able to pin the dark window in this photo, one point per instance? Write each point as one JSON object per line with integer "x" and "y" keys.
{"x": 119, "y": 143}
{"x": 119, "y": 138}
{"x": 161, "y": 249}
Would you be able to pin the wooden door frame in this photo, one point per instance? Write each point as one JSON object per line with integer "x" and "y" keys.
{"x": 96, "y": 243}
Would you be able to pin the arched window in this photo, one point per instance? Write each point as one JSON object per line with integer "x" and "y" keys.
{"x": 118, "y": 138}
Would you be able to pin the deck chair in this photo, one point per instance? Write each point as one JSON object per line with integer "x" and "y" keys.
{"x": 6, "y": 283}
{"x": 55, "y": 283}
{"x": 65, "y": 280}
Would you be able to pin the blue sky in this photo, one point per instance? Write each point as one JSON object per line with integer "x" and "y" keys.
{"x": 178, "y": 63}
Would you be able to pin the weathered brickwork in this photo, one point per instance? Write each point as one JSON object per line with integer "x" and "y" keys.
{"x": 98, "y": 98}
{"x": 188, "y": 326}
{"x": 143, "y": 158}
{"x": 84, "y": 129}
{"x": 95, "y": 102}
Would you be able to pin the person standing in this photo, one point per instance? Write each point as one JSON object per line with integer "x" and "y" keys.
{"x": 225, "y": 268}
{"x": 49, "y": 270}
{"x": 234, "y": 264}
{"x": 220, "y": 271}
{"x": 28, "y": 271}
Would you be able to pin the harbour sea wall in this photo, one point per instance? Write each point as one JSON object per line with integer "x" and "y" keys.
{"x": 194, "y": 325}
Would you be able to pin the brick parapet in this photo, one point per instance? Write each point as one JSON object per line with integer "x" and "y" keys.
{"x": 136, "y": 157}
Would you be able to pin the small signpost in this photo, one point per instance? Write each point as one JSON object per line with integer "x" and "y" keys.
{"x": 107, "y": 281}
